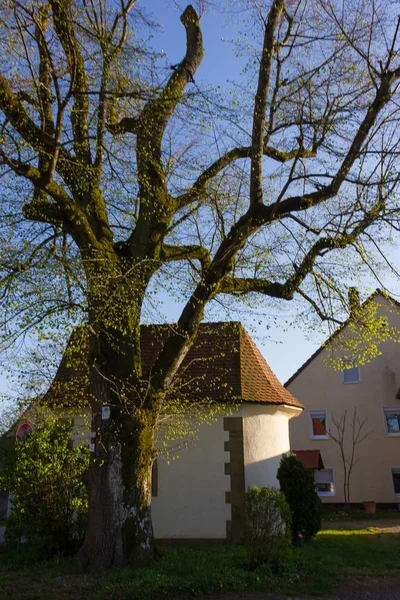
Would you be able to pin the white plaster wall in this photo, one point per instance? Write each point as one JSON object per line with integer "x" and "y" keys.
{"x": 321, "y": 387}
{"x": 81, "y": 429}
{"x": 266, "y": 438}
{"x": 190, "y": 502}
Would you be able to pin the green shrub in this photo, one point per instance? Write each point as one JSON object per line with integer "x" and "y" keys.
{"x": 267, "y": 532}
{"x": 44, "y": 472}
{"x": 297, "y": 483}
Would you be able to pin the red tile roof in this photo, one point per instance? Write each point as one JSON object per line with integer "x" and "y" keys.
{"x": 258, "y": 382}
{"x": 223, "y": 364}
{"x": 311, "y": 459}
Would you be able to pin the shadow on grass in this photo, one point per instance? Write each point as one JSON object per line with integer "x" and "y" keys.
{"x": 315, "y": 568}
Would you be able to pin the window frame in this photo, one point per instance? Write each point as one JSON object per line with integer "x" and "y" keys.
{"x": 312, "y": 435}
{"x": 391, "y": 409}
{"x": 350, "y": 362}
{"x": 396, "y": 470}
{"x": 326, "y": 494}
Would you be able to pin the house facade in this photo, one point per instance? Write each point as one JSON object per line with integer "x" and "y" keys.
{"x": 329, "y": 395}
{"x": 201, "y": 494}
{"x": 198, "y": 490}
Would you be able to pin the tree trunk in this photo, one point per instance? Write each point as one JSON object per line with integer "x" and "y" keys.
{"x": 122, "y": 435}
{"x": 120, "y": 527}
{"x": 123, "y": 417}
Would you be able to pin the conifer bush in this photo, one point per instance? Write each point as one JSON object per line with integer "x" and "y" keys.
{"x": 297, "y": 484}
{"x": 267, "y": 532}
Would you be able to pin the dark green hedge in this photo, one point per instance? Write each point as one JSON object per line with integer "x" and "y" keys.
{"x": 297, "y": 483}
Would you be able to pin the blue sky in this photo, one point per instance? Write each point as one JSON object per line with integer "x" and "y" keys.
{"x": 284, "y": 347}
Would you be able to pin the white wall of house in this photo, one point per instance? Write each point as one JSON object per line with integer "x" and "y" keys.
{"x": 266, "y": 438}
{"x": 190, "y": 501}
{"x": 191, "y": 489}
{"x": 321, "y": 388}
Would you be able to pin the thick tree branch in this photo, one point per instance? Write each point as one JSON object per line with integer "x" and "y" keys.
{"x": 44, "y": 91}
{"x": 180, "y": 341}
{"x": 80, "y": 110}
{"x": 156, "y": 113}
{"x": 173, "y": 253}
{"x": 15, "y": 113}
{"x": 287, "y": 290}
{"x": 260, "y": 102}
{"x": 200, "y": 184}
{"x": 125, "y": 125}
{"x": 305, "y": 201}
{"x": 64, "y": 212}
{"x": 109, "y": 51}
{"x": 153, "y": 193}
{"x": 39, "y": 140}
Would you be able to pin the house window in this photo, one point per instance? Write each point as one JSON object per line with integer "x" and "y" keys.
{"x": 392, "y": 421}
{"x": 351, "y": 374}
{"x": 319, "y": 424}
{"x": 324, "y": 482}
{"x": 396, "y": 481}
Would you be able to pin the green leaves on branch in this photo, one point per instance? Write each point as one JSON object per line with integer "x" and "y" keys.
{"x": 45, "y": 475}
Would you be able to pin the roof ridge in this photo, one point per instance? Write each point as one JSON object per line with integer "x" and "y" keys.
{"x": 235, "y": 368}
{"x": 201, "y": 324}
{"x": 263, "y": 368}
{"x": 241, "y": 330}
{"x": 338, "y": 330}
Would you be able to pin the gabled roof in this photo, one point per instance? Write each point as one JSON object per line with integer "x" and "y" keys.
{"x": 377, "y": 292}
{"x": 311, "y": 459}
{"x": 223, "y": 365}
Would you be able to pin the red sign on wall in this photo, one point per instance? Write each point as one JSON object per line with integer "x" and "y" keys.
{"x": 23, "y": 430}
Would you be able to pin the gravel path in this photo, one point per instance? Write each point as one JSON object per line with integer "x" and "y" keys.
{"x": 386, "y": 588}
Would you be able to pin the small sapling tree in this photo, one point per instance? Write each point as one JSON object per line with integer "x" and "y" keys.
{"x": 348, "y": 436}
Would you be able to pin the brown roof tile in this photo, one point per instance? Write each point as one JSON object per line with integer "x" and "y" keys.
{"x": 223, "y": 364}
{"x": 259, "y": 383}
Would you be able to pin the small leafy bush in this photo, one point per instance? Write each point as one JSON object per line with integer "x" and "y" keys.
{"x": 297, "y": 483}
{"x": 44, "y": 472}
{"x": 267, "y": 532}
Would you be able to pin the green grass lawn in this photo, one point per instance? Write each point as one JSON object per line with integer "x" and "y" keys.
{"x": 316, "y": 567}
{"x": 358, "y": 514}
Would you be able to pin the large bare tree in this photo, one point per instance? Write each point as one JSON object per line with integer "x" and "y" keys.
{"x": 113, "y": 175}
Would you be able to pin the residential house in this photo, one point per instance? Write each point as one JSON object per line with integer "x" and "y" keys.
{"x": 200, "y": 495}
{"x": 373, "y": 390}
